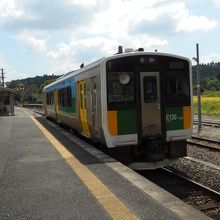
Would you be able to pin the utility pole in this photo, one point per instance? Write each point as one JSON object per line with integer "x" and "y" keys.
{"x": 3, "y": 78}
{"x": 198, "y": 88}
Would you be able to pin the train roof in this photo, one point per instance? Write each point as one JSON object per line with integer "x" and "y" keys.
{"x": 98, "y": 62}
{"x": 73, "y": 73}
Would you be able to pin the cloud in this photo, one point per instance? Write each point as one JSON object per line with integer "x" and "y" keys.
{"x": 196, "y": 23}
{"x": 9, "y": 8}
{"x": 101, "y": 17}
{"x": 44, "y": 15}
{"x": 3, "y": 63}
{"x": 69, "y": 56}
{"x": 30, "y": 42}
{"x": 216, "y": 3}
{"x": 94, "y": 28}
{"x": 163, "y": 25}
{"x": 10, "y": 73}
{"x": 170, "y": 18}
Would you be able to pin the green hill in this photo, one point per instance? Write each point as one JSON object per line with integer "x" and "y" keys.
{"x": 210, "y": 76}
{"x": 29, "y": 90}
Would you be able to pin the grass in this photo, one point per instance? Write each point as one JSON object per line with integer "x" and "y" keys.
{"x": 210, "y": 104}
{"x": 211, "y": 94}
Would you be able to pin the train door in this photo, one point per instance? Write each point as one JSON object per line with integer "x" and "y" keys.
{"x": 56, "y": 103}
{"x": 94, "y": 103}
{"x": 83, "y": 108}
{"x": 150, "y": 103}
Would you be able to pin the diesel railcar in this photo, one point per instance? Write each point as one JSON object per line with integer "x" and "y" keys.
{"x": 138, "y": 104}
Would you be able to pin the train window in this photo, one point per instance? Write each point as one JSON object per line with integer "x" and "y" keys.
{"x": 69, "y": 101}
{"x": 93, "y": 97}
{"x": 176, "y": 65}
{"x": 60, "y": 97}
{"x": 81, "y": 95}
{"x": 48, "y": 99}
{"x": 84, "y": 88}
{"x": 150, "y": 89}
{"x": 63, "y": 97}
{"x": 120, "y": 87}
{"x": 177, "y": 87}
{"x": 51, "y": 98}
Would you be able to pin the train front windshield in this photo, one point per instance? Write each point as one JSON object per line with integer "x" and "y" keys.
{"x": 121, "y": 88}
{"x": 177, "y": 83}
{"x": 122, "y": 78}
{"x": 177, "y": 88}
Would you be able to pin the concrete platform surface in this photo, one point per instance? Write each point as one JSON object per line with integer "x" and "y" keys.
{"x": 47, "y": 173}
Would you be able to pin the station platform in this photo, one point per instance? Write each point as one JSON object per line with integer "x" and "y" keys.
{"x": 48, "y": 173}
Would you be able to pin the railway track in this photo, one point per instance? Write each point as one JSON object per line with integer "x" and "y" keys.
{"x": 209, "y": 123}
{"x": 204, "y": 142}
{"x": 191, "y": 192}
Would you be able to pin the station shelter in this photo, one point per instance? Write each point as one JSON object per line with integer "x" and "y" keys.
{"x": 6, "y": 101}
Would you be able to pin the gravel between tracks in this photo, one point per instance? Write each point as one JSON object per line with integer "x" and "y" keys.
{"x": 198, "y": 172}
{"x": 208, "y": 155}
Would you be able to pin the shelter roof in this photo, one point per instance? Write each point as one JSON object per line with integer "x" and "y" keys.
{"x": 3, "y": 89}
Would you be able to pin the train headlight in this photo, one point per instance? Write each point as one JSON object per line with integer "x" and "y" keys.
{"x": 124, "y": 78}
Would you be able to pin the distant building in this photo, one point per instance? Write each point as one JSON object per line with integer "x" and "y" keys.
{"x": 20, "y": 87}
{"x": 6, "y": 101}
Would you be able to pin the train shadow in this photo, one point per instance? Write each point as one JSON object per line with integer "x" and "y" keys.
{"x": 80, "y": 153}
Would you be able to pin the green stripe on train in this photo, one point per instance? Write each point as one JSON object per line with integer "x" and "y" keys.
{"x": 174, "y": 118}
{"x": 127, "y": 121}
{"x": 69, "y": 109}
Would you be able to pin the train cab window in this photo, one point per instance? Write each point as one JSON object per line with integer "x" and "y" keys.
{"x": 120, "y": 87}
{"x": 177, "y": 88}
{"x": 150, "y": 89}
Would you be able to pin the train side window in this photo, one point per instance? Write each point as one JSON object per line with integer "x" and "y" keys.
{"x": 69, "y": 101}
{"x": 48, "y": 99}
{"x": 93, "y": 80}
{"x": 60, "y": 97}
{"x": 63, "y": 97}
{"x": 51, "y": 98}
{"x": 150, "y": 89}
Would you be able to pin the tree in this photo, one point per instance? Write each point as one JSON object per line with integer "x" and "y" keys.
{"x": 31, "y": 89}
{"x": 213, "y": 84}
{"x": 45, "y": 83}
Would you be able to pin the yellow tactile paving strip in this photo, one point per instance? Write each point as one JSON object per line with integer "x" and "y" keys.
{"x": 115, "y": 208}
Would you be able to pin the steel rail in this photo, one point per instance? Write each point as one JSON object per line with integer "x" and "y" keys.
{"x": 215, "y": 193}
{"x": 215, "y": 144}
{"x": 209, "y": 123}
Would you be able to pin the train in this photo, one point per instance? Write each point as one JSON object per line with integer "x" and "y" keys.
{"x": 137, "y": 104}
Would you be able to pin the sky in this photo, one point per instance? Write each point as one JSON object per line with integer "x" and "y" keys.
{"x": 40, "y": 37}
